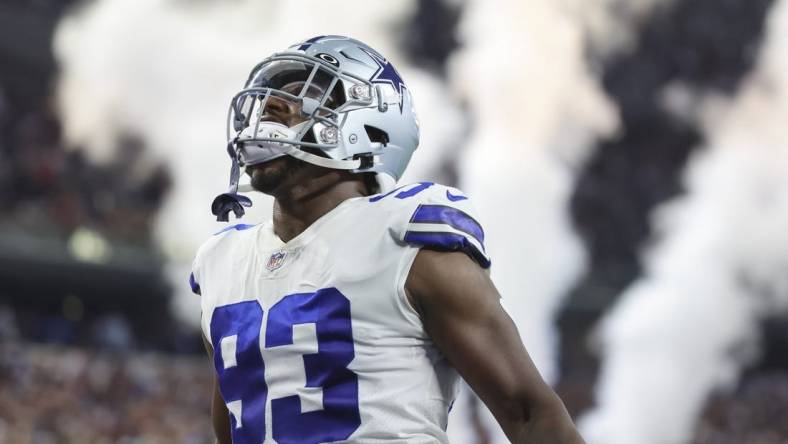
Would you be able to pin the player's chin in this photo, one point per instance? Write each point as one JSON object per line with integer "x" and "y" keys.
{"x": 266, "y": 177}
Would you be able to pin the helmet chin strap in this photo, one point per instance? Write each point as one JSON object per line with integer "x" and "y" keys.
{"x": 224, "y": 203}
{"x": 271, "y": 150}
{"x": 231, "y": 201}
{"x": 323, "y": 161}
{"x": 309, "y": 158}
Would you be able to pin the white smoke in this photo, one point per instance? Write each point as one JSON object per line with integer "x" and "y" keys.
{"x": 717, "y": 267}
{"x": 612, "y": 25}
{"x": 536, "y": 111}
{"x": 166, "y": 70}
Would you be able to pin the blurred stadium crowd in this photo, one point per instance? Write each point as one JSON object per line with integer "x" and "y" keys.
{"x": 62, "y": 216}
{"x": 55, "y": 203}
{"x": 76, "y": 367}
{"x": 55, "y": 394}
{"x": 50, "y": 190}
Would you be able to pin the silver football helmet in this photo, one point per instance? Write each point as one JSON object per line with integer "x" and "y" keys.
{"x": 357, "y": 114}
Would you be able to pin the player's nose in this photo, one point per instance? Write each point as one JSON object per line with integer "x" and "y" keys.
{"x": 280, "y": 111}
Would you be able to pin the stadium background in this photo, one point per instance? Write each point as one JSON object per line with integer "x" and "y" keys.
{"x": 629, "y": 159}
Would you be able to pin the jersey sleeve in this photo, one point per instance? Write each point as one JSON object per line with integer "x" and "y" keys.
{"x": 443, "y": 218}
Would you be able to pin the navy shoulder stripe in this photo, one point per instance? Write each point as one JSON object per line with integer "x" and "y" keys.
{"x": 453, "y": 217}
{"x": 448, "y": 242}
{"x": 447, "y": 228}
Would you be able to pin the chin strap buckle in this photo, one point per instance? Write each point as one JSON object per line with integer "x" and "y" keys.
{"x": 224, "y": 203}
{"x": 231, "y": 200}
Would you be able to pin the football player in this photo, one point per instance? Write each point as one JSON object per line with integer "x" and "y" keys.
{"x": 348, "y": 317}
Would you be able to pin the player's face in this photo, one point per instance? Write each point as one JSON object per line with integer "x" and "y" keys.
{"x": 267, "y": 177}
{"x": 284, "y": 111}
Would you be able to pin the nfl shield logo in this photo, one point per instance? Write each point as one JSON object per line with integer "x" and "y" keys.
{"x": 276, "y": 260}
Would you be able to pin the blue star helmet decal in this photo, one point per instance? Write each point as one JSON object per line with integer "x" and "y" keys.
{"x": 387, "y": 74}
{"x": 304, "y": 45}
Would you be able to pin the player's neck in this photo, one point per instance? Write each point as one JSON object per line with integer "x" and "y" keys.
{"x": 301, "y": 205}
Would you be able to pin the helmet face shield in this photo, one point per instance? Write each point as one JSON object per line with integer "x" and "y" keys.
{"x": 287, "y": 74}
{"x": 289, "y": 90}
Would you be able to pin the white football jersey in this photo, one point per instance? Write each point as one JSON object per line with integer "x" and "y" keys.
{"x": 315, "y": 340}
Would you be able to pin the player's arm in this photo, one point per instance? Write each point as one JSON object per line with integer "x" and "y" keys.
{"x": 219, "y": 414}
{"x": 461, "y": 312}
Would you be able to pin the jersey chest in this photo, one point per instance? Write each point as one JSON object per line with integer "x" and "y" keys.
{"x": 315, "y": 340}
{"x": 290, "y": 329}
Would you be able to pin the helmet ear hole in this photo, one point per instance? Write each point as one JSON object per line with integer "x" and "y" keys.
{"x": 376, "y": 134}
